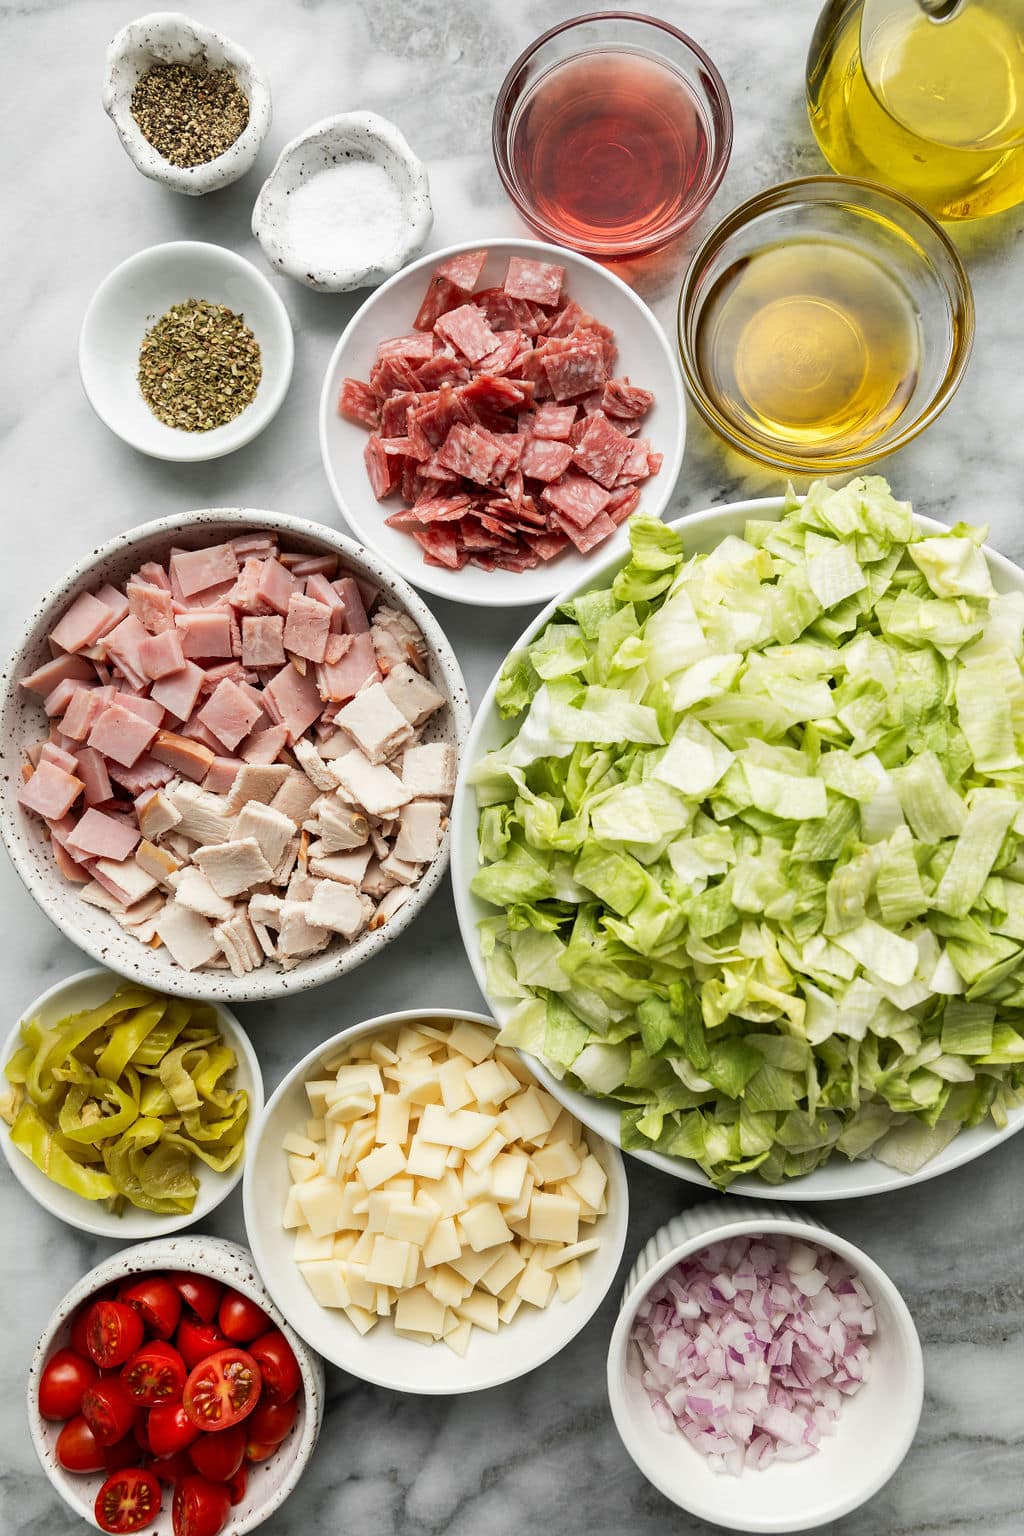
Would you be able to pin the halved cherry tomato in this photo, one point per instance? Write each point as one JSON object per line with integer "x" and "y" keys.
{"x": 197, "y": 1340}
{"x": 200, "y": 1508}
{"x": 108, "y": 1409}
{"x": 155, "y": 1374}
{"x": 170, "y": 1429}
{"x": 79, "y": 1329}
{"x": 240, "y": 1319}
{"x": 219, "y": 1457}
{"x": 113, "y": 1333}
{"x": 78, "y": 1449}
{"x": 62, "y": 1384}
{"x": 157, "y": 1302}
{"x": 200, "y": 1292}
{"x": 270, "y": 1422}
{"x": 259, "y": 1450}
{"x": 278, "y": 1366}
{"x": 128, "y": 1501}
{"x": 237, "y": 1485}
{"x": 124, "y": 1453}
{"x": 222, "y": 1390}
{"x": 171, "y": 1469}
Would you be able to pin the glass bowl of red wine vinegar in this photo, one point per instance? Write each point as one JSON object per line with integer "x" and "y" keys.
{"x": 612, "y": 133}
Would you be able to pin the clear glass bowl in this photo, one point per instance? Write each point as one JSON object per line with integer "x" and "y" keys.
{"x": 903, "y": 240}
{"x": 630, "y": 35}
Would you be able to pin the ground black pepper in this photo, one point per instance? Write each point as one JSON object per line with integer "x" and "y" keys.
{"x": 190, "y": 116}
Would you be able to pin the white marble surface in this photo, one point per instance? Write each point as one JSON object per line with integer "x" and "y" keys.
{"x": 541, "y": 1452}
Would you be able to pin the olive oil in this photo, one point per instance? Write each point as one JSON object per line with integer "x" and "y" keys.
{"x": 932, "y": 108}
{"x": 810, "y": 343}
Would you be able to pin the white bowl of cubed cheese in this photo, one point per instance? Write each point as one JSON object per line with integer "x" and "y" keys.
{"x": 378, "y": 1228}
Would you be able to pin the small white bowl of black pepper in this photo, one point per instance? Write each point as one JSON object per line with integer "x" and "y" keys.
{"x": 190, "y": 106}
{"x": 186, "y": 351}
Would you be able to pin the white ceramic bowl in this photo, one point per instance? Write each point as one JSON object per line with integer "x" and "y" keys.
{"x": 644, "y": 354}
{"x": 359, "y": 137}
{"x": 872, "y": 1435}
{"x": 88, "y": 989}
{"x": 168, "y": 37}
{"x": 382, "y": 1356}
{"x": 133, "y": 297}
{"x": 838, "y": 1179}
{"x": 270, "y": 1481}
{"x": 22, "y": 722}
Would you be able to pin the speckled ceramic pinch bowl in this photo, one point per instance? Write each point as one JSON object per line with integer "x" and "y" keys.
{"x": 88, "y": 989}
{"x": 875, "y": 1427}
{"x": 271, "y": 1481}
{"x": 22, "y": 722}
{"x": 352, "y": 137}
{"x": 383, "y": 1356}
{"x": 168, "y": 37}
{"x": 127, "y": 304}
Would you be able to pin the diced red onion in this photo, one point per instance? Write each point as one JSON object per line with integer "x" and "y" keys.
{"x": 750, "y": 1347}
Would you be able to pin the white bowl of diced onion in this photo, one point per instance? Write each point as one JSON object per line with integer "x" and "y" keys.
{"x": 870, "y": 1437}
{"x": 295, "y": 1260}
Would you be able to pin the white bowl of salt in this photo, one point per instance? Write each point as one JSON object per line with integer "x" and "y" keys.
{"x": 346, "y": 205}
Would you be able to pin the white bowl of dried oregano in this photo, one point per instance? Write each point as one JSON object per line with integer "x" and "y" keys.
{"x": 186, "y": 351}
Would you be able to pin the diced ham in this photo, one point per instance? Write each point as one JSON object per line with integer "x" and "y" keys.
{"x": 264, "y": 746}
{"x": 161, "y": 654}
{"x": 358, "y": 667}
{"x": 223, "y": 773}
{"x": 69, "y": 868}
{"x": 82, "y": 623}
{"x": 121, "y": 734}
{"x": 99, "y": 836}
{"x": 123, "y": 646}
{"x": 275, "y": 586}
{"x": 153, "y": 606}
{"x": 149, "y": 709}
{"x": 178, "y": 691}
{"x": 306, "y": 627}
{"x": 57, "y": 702}
{"x": 351, "y": 596}
{"x": 147, "y": 773}
{"x": 294, "y": 701}
{"x": 263, "y": 641}
{"x": 50, "y": 792}
{"x": 45, "y": 678}
{"x": 205, "y": 634}
{"x": 229, "y": 713}
{"x": 196, "y": 570}
{"x": 92, "y": 770}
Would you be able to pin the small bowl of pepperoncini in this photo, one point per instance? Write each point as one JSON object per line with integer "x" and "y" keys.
{"x": 186, "y": 351}
{"x": 824, "y": 323}
{"x": 126, "y": 1111}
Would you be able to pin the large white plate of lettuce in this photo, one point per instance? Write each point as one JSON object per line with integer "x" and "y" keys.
{"x": 738, "y": 846}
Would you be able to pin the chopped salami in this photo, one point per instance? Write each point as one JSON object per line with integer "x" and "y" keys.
{"x": 468, "y": 331}
{"x": 499, "y": 423}
{"x": 602, "y": 450}
{"x": 576, "y": 370}
{"x": 553, "y": 421}
{"x": 579, "y": 497}
{"x": 463, "y": 271}
{"x": 621, "y": 398}
{"x": 357, "y": 402}
{"x": 539, "y": 281}
{"x": 545, "y": 460}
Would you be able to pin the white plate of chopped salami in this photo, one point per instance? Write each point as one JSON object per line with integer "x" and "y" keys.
{"x": 494, "y": 414}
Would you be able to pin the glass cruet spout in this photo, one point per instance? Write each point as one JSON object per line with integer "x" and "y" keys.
{"x": 949, "y": 71}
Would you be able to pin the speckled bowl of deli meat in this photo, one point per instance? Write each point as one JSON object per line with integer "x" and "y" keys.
{"x": 228, "y": 744}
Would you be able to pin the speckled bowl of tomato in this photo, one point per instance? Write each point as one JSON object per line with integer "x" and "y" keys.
{"x": 168, "y": 1394}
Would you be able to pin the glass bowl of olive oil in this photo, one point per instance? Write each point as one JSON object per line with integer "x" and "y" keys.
{"x": 824, "y": 323}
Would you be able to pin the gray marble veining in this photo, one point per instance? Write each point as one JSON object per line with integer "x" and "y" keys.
{"x": 540, "y": 1453}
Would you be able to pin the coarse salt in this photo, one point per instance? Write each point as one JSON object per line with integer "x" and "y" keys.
{"x": 347, "y": 215}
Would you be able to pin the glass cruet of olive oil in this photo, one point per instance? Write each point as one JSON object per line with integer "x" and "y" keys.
{"x": 926, "y": 96}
